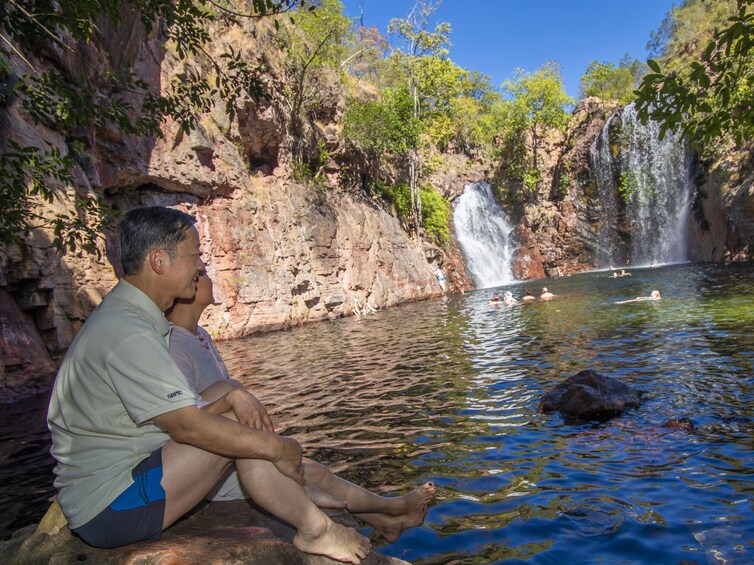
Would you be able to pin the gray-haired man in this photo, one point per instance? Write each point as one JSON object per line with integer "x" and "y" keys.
{"x": 134, "y": 452}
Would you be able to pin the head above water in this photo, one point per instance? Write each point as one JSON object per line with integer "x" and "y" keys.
{"x": 151, "y": 227}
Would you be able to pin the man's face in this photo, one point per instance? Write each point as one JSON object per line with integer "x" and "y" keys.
{"x": 184, "y": 269}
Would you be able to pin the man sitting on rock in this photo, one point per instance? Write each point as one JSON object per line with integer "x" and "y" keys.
{"x": 134, "y": 452}
{"x": 192, "y": 349}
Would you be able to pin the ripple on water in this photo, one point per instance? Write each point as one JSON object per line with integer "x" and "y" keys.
{"x": 448, "y": 390}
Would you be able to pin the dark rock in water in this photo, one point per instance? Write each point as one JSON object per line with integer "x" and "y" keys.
{"x": 680, "y": 424}
{"x": 220, "y": 532}
{"x": 588, "y": 395}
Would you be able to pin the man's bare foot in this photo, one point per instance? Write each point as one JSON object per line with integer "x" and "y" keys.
{"x": 412, "y": 502}
{"x": 323, "y": 499}
{"x": 391, "y": 527}
{"x": 334, "y": 541}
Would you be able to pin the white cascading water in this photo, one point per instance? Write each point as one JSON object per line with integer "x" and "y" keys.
{"x": 484, "y": 233}
{"x": 655, "y": 178}
{"x": 606, "y": 201}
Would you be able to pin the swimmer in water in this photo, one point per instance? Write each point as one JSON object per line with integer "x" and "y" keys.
{"x": 654, "y": 295}
{"x": 546, "y": 294}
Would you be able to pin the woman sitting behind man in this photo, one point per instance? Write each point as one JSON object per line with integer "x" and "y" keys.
{"x": 195, "y": 354}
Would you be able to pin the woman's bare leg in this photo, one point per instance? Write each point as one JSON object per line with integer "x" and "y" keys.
{"x": 361, "y": 500}
{"x": 389, "y": 516}
{"x": 391, "y": 527}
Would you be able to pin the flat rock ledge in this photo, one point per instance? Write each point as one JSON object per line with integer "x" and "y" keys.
{"x": 219, "y": 532}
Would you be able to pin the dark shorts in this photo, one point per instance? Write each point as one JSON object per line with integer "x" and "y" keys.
{"x": 137, "y": 513}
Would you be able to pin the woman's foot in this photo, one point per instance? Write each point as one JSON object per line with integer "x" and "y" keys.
{"x": 391, "y": 527}
{"x": 334, "y": 541}
{"x": 412, "y": 502}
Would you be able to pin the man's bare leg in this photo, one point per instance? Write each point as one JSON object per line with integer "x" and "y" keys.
{"x": 189, "y": 473}
{"x": 287, "y": 500}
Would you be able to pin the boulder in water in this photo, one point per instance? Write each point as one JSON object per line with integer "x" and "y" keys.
{"x": 587, "y": 395}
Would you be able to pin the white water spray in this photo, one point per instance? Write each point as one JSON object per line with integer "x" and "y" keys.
{"x": 484, "y": 233}
{"x": 653, "y": 178}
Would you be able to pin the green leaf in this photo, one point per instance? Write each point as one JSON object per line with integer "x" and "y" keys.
{"x": 653, "y": 65}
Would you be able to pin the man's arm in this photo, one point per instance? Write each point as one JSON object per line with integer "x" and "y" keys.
{"x": 228, "y": 438}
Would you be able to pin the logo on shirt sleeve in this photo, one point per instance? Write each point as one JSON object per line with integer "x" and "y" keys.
{"x": 175, "y": 394}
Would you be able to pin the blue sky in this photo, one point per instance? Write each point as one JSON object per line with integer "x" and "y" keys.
{"x": 497, "y": 36}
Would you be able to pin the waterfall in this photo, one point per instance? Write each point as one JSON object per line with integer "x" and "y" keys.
{"x": 607, "y": 200}
{"x": 483, "y": 232}
{"x": 650, "y": 181}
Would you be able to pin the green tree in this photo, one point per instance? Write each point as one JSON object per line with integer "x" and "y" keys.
{"x": 420, "y": 57}
{"x": 538, "y": 101}
{"x": 711, "y": 99}
{"x": 476, "y": 114}
{"x": 609, "y": 82}
{"x": 686, "y": 31}
{"x": 316, "y": 47}
{"x": 105, "y": 96}
{"x": 384, "y": 127}
{"x": 437, "y": 213}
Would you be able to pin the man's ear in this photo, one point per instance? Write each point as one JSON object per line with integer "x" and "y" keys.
{"x": 158, "y": 260}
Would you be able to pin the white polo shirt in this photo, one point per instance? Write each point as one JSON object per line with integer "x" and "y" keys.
{"x": 197, "y": 358}
{"x": 116, "y": 377}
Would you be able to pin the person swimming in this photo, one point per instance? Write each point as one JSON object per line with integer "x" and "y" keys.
{"x": 546, "y": 294}
{"x": 528, "y": 296}
{"x": 654, "y": 295}
{"x": 508, "y": 298}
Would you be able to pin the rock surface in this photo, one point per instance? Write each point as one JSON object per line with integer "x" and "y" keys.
{"x": 282, "y": 252}
{"x": 220, "y": 532}
{"x": 22, "y": 350}
{"x": 588, "y": 395}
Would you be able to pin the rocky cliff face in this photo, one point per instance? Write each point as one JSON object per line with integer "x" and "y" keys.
{"x": 281, "y": 252}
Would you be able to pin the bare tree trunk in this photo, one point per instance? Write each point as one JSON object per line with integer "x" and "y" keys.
{"x": 413, "y": 174}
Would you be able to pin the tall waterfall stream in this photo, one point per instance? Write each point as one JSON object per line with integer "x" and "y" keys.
{"x": 649, "y": 182}
{"x": 483, "y": 232}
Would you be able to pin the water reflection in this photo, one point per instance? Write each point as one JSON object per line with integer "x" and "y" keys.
{"x": 448, "y": 390}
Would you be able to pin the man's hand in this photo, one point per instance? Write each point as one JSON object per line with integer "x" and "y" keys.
{"x": 249, "y": 411}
